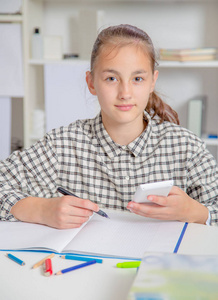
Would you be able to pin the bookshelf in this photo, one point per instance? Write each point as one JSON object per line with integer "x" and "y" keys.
{"x": 194, "y": 26}
{"x": 189, "y": 64}
{"x": 11, "y": 18}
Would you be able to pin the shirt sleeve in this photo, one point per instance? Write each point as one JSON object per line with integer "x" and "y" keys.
{"x": 32, "y": 172}
{"x": 202, "y": 180}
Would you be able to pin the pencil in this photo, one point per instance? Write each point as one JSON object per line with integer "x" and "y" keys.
{"x": 91, "y": 262}
{"x": 65, "y": 192}
{"x": 15, "y": 259}
{"x": 42, "y": 261}
{"x": 81, "y": 258}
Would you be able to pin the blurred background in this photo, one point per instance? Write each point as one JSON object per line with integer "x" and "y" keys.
{"x": 45, "y": 48}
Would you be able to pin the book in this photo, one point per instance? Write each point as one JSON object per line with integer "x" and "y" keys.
{"x": 167, "y": 276}
{"x": 194, "y": 54}
{"x": 190, "y": 51}
{"x": 124, "y": 235}
{"x": 90, "y": 22}
{"x": 197, "y": 115}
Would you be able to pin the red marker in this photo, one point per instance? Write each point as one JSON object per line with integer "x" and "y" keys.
{"x": 47, "y": 266}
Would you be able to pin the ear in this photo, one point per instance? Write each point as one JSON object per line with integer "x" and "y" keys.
{"x": 155, "y": 76}
{"x": 89, "y": 81}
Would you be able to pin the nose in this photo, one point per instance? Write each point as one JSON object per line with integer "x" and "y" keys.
{"x": 124, "y": 91}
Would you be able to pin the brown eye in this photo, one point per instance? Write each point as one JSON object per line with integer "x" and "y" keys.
{"x": 111, "y": 78}
{"x": 138, "y": 79}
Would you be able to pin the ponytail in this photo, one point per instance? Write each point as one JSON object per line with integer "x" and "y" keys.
{"x": 156, "y": 107}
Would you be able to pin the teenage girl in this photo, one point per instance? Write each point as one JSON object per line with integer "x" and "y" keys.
{"x": 135, "y": 139}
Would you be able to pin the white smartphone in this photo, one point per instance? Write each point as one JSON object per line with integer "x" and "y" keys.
{"x": 160, "y": 188}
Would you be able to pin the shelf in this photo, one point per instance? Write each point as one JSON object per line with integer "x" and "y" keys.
{"x": 210, "y": 142}
{"x": 162, "y": 64}
{"x": 41, "y": 62}
{"x": 11, "y": 18}
{"x": 188, "y": 64}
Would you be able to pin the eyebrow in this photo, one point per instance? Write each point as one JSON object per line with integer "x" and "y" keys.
{"x": 116, "y": 72}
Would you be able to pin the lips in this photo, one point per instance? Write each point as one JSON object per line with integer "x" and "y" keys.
{"x": 126, "y": 107}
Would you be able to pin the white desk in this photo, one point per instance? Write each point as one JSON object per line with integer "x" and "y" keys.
{"x": 95, "y": 282}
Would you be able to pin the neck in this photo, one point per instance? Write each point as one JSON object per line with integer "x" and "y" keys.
{"x": 123, "y": 134}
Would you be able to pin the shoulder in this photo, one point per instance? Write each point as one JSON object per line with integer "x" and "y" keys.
{"x": 79, "y": 130}
{"x": 175, "y": 133}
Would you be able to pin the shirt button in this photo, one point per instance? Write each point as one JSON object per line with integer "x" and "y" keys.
{"x": 127, "y": 177}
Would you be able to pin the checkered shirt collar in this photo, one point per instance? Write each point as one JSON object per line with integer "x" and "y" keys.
{"x": 113, "y": 149}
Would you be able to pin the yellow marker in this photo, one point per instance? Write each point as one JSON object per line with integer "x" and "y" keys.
{"x": 129, "y": 264}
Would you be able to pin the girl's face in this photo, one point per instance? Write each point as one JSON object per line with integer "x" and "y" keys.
{"x": 122, "y": 81}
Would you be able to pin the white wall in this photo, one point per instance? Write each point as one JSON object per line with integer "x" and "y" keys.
{"x": 170, "y": 25}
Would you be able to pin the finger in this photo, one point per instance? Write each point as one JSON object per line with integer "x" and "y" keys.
{"x": 79, "y": 212}
{"x": 68, "y": 225}
{"x": 159, "y": 200}
{"x": 154, "y": 213}
{"x": 175, "y": 190}
{"x": 77, "y": 220}
{"x": 69, "y": 221}
{"x": 149, "y": 210}
{"x": 80, "y": 203}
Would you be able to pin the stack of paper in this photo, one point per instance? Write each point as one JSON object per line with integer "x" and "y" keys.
{"x": 194, "y": 54}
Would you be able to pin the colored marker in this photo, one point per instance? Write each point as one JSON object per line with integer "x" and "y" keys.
{"x": 81, "y": 258}
{"x": 88, "y": 263}
{"x": 129, "y": 264}
{"x": 47, "y": 267}
{"x": 17, "y": 260}
{"x": 65, "y": 192}
{"x": 42, "y": 261}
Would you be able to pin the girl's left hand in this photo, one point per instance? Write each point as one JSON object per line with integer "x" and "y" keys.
{"x": 176, "y": 206}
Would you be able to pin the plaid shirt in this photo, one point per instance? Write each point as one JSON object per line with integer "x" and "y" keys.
{"x": 84, "y": 159}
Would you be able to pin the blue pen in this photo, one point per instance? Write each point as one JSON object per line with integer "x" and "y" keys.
{"x": 91, "y": 262}
{"x": 81, "y": 258}
{"x": 17, "y": 260}
{"x": 65, "y": 192}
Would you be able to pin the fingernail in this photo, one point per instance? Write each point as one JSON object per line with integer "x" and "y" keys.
{"x": 130, "y": 205}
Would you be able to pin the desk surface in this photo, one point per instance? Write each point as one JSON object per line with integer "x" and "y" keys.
{"x": 95, "y": 282}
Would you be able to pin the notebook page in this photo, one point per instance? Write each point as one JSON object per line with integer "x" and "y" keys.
{"x": 21, "y": 235}
{"x": 125, "y": 235}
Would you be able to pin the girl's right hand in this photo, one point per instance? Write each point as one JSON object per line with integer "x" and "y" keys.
{"x": 61, "y": 213}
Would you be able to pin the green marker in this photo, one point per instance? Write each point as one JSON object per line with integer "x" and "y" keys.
{"x": 129, "y": 264}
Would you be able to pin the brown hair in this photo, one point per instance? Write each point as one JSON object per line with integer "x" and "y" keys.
{"x": 125, "y": 34}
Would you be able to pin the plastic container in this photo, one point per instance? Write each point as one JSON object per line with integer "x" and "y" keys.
{"x": 37, "y": 44}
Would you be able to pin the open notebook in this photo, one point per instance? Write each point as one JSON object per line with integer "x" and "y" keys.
{"x": 124, "y": 235}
